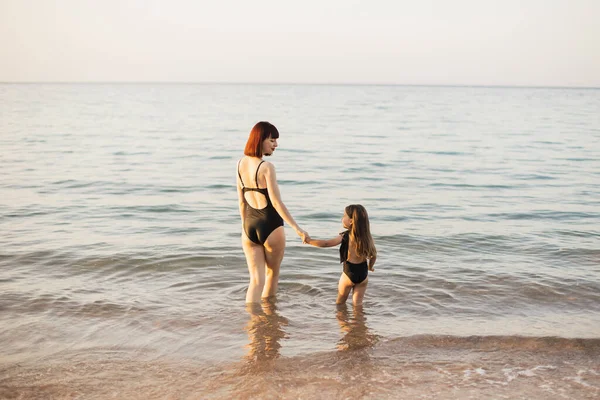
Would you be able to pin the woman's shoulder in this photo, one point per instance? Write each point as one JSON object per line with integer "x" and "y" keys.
{"x": 266, "y": 166}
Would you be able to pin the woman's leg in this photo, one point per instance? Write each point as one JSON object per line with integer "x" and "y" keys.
{"x": 358, "y": 294}
{"x": 344, "y": 287}
{"x": 255, "y": 258}
{"x": 274, "y": 250}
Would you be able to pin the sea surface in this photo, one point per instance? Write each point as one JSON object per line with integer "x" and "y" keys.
{"x": 122, "y": 273}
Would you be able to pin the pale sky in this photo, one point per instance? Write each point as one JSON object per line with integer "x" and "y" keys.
{"x": 450, "y": 42}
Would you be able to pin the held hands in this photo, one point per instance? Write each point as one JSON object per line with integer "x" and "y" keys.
{"x": 306, "y": 238}
{"x": 304, "y": 235}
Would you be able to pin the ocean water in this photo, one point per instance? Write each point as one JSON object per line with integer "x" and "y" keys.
{"x": 122, "y": 273}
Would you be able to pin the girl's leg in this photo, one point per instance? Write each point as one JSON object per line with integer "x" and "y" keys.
{"x": 358, "y": 293}
{"x": 255, "y": 258}
{"x": 274, "y": 250}
{"x": 344, "y": 287}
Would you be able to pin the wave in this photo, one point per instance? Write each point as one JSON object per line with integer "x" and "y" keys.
{"x": 220, "y": 186}
{"x": 299, "y": 182}
{"x": 165, "y": 208}
{"x": 470, "y": 186}
{"x": 545, "y": 215}
{"x": 320, "y": 216}
{"x": 490, "y": 244}
{"x": 498, "y": 343}
{"x": 527, "y": 177}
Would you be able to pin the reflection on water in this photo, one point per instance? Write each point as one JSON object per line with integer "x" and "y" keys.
{"x": 356, "y": 335}
{"x": 265, "y": 331}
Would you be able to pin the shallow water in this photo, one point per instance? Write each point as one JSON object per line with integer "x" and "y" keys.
{"x": 121, "y": 269}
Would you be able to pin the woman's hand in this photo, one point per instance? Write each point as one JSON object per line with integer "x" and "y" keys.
{"x": 304, "y": 235}
{"x": 306, "y": 238}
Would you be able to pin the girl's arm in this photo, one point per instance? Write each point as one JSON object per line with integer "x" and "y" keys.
{"x": 325, "y": 243}
{"x": 372, "y": 263}
{"x": 275, "y": 196}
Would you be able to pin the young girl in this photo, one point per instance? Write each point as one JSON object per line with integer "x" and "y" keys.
{"x": 357, "y": 253}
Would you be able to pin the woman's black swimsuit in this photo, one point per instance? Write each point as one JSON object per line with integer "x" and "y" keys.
{"x": 258, "y": 224}
{"x": 356, "y": 272}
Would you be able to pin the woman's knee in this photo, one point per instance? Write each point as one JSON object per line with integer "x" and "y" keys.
{"x": 257, "y": 280}
{"x": 257, "y": 277}
{"x": 273, "y": 273}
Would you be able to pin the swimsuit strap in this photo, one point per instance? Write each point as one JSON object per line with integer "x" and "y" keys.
{"x": 256, "y": 177}
{"x": 238, "y": 169}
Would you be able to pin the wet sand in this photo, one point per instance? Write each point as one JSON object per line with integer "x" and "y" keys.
{"x": 424, "y": 367}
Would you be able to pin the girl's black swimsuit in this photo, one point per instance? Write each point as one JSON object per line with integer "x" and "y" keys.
{"x": 258, "y": 224}
{"x": 356, "y": 272}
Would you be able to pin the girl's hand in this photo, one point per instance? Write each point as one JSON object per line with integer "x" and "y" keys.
{"x": 372, "y": 269}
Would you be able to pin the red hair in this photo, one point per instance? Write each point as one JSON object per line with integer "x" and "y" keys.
{"x": 261, "y": 131}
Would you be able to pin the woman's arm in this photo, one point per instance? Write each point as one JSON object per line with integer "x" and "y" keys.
{"x": 241, "y": 200}
{"x": 275, "y": 196}
{"x": 325, "y": 243}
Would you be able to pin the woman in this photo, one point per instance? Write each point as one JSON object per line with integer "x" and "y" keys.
{"x": 263, "y": 213}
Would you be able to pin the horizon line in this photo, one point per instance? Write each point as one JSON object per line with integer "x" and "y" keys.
{"x": 299, "y": 84}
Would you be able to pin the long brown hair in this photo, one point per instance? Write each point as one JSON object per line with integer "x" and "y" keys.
{"x": 261, "y": 131}
{"x": 360, "y": 231}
